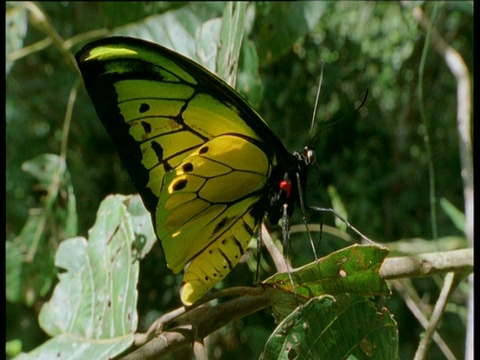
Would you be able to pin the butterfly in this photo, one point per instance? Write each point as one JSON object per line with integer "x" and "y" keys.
{"x": 209, "y": 169}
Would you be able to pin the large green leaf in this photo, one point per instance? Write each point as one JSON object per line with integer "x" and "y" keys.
{"x": 176, "y": 29}
{"x": 16, "y": 29}
{"x": 92, "y": 313}
{"x": 353, "y": 270}
{"x": 340, "y": 327}
{"x": 231, "y": 36}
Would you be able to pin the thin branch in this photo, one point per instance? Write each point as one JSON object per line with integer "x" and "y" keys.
{"x": 426, "y": 138}
{"x": 198, "y": 324}
{"x": 40, "y": 19}
{"x": 438, "y": 311}
{"x": 412, "y": 302}
{"x": 28, "y": 50}
{"x": 157, "y": 326}
{"x": 428, "y": 264}
{"x": 163, "y": 344}
{"x": 277, "y": 257}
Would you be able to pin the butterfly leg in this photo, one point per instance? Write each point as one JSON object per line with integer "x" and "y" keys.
{"x": 304, "y": 216}
{"x": 320, "y": 234}
{"x": 287, "y": 245}
{"x": 330, "y": 210}
{"x": 259, "y": 253}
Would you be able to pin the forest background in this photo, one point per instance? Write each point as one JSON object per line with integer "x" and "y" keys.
{"x": 394, "y": 168}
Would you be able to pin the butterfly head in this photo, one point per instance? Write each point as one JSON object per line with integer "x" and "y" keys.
{"x": 306, "y": 156}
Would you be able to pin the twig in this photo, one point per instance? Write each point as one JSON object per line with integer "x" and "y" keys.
{"x": 277, "y": 257}
{"x": 198, "y": 324}
{"x": 412, "y": 303}
{"x": 157, "y": 326}
{"x": 447, "y": 288}
{"x": 427, "y": 264}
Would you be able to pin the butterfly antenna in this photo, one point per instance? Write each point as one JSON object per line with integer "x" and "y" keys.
{"x": 259, "y": 253}
{"x": 315, "y": 109}
{"x": 331, "y": 123}
{"x": 350, "y": 226}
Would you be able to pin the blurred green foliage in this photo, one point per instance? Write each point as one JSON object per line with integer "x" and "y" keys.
{"x": 375, "y": 159}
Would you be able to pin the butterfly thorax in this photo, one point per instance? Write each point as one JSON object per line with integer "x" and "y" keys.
{"x": 289, "y": 186}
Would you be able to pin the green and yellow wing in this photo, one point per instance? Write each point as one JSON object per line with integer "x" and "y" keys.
{"x": 199, "y": 155}
{"x": 208, "y": 208}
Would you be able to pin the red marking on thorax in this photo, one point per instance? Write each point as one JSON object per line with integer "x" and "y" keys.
{"x": 286, "y": 185}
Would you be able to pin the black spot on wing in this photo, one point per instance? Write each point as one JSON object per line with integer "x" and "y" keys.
{"x": 157, "y": 148}
{"x": 179, "y": 185}
{"x": 227, "y": 259}
{"x": 237, "y": 243}
{"x": 188, "y": 167}
{"x": 248, "y": 228}
{"x": 144, "y": 108}
{"x": 146, "y": 127}
{"x": 221, "y": 224}
{"x": 167, "y": 167}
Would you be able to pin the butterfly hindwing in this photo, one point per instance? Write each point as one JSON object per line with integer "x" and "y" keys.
{"x": 205, "y": 207}
{"x": 216, "y": 261}
{"x": 202, "y": 159}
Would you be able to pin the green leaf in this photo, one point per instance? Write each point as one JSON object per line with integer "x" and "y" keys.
{"x": 249, "y": 82}
{"x": 16, "y": 25}
{"x": 53, "y": 178}
{"x": 30, "y": 267}
{"x": 414, "y": 246}
{"x": 13, "y": 347}
{"x": 231, "y": 36}
{"x": 43, "y": 168}
{"x": 219, "y": 42}
{"x": 145, "y": 236}
{"x": 176, "y": 29}
{"x": 13, "y": 269}
{"x": 340, "y": 327}
{"x": 92, "y": 313}
{"x": 208, "y": 41}
{"x": 353, "y": 270}
{"x": 338, "y": 206}
{"x": 120, "y": 13}
{"x": 457, "y": 217}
